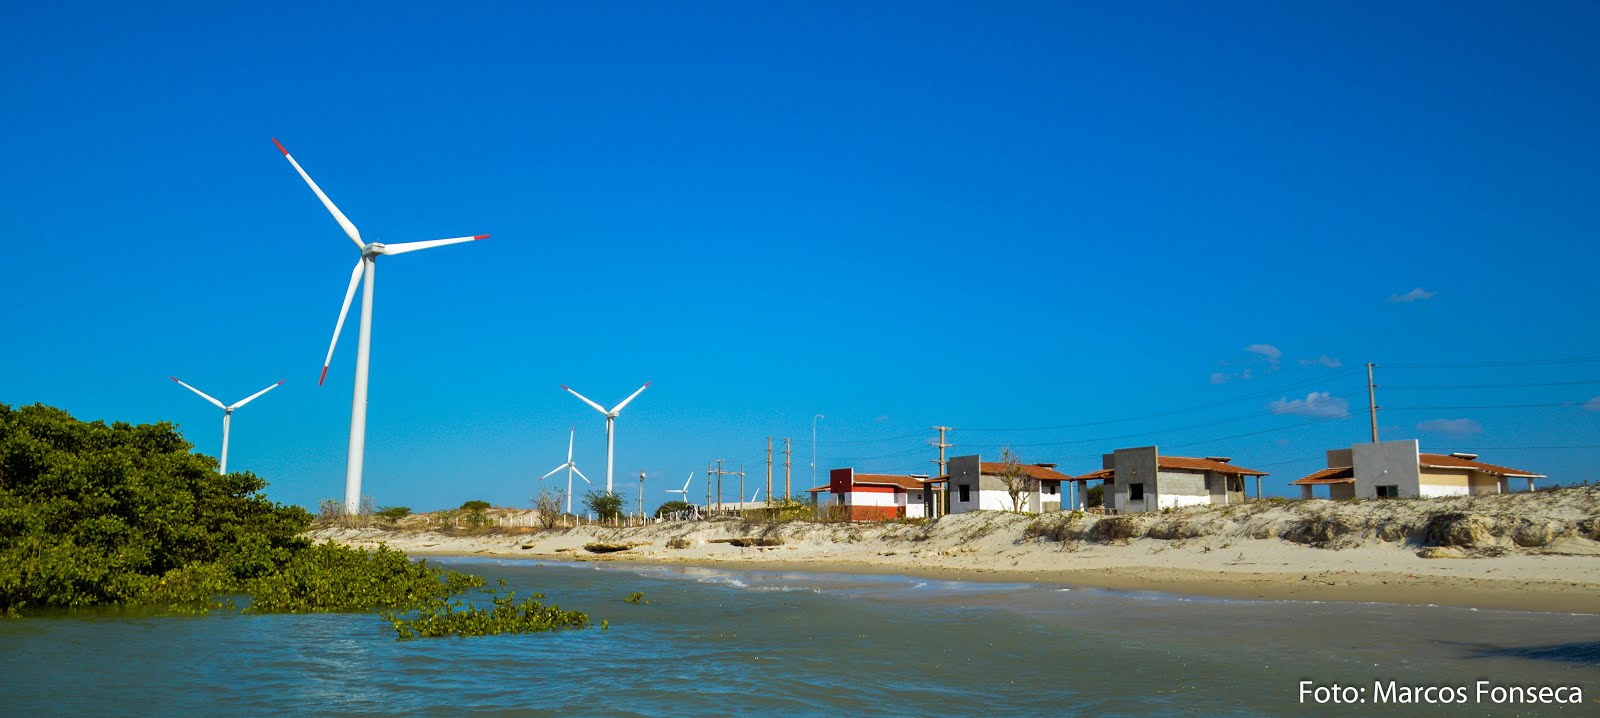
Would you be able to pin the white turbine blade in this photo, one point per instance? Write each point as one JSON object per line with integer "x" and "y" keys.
{"x": 570, "y": 434}
{"x": 581, "y": 476}
{"x": 202, "y": 394}
{"x": 252, "y": 397}
{"x": 585, "y": 399}
{"x": 686, "y": 482}
{"x": 618, "y": 410}
{"x": 404, "y": 247}
{"x": 558, "y": 468}
{"x": 349, "y": 294}
{"x": 344, "y": 221}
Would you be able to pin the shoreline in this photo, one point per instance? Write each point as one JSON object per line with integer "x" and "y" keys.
{"x": 1266, "y": 569}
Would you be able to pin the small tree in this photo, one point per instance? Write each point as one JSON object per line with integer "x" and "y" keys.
{"x": 1095, "y": 496}
{"x": 605, "y": 504}
{"x": 475, "y": 506}
{"x": 547, "y": 508}
{"x": 394, "y": 513}
{"x": 1016, "y": 479}
{"x": 672, "y": 507}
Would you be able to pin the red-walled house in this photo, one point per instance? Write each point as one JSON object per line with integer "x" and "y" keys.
{"x": 874, "y": 497}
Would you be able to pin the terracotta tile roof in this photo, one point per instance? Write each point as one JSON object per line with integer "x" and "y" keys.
{"x": 938, "y": 480}
{"x": 1444, "y": 461}
{"x": 1182, "y": 463}
{"x": 824, "y": 487}
{"x": 995, "y": 468}
{"x": 897, "y": 480}
{"x": 1335, "y": 475}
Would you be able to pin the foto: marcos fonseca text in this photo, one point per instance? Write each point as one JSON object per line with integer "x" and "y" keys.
{"x": 1382, "y": 692}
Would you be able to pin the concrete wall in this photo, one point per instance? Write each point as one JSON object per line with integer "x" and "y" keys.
{"x": 1339, "y": 458}
{"x": 1135, "y": 466}
{"x": 1341, "y": 491}
{"x": 964, "y": 470}
{"x": 1386, "y": 462}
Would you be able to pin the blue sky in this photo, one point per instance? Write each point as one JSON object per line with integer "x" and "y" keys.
{"x": 1067, "y": 228}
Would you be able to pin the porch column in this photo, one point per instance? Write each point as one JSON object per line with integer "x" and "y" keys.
{"x": 1305, "y": 492}
{"x": 1258, "y": 488}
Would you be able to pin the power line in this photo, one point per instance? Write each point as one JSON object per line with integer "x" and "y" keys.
{"x": 1580, "y": 382}
{"x": 1482, "y": 364}
{"x": 1483, "y": 406}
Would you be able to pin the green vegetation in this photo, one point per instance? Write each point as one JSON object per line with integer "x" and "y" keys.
{"x": 440, "y": 618}
{"x": 475, "y": 505}
{"x": 605, "y": 504}
{"x": 394, "y": 513}
{"x": 94, "y": 514}
{"x": 672, "y": 507}
{"x": 637, "y": 598}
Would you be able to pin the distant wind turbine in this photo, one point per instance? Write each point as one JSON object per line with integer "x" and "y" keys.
{"x": 227, "y": 414}
{"x": 366, "y": 268}
{"x": 684, "y": 493}
{"x": 570, "y": 467}
{"x": 611, "y": 418}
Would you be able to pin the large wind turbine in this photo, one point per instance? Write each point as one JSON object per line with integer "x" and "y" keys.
{"x": 570, "y": 466}
{"x": 227, "y": 413}
{"x": 363, "y": 274}
{"x": 611, "y": 419}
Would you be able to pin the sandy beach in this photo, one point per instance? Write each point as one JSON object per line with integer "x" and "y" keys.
{"x": 1562, "y": 575}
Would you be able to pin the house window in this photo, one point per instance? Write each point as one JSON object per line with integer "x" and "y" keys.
{"x": 1135, "y": 492}
{"x": 965, "y": 493}
{"x": 1052, "y": 488}
{"x": 1389, "y": 491}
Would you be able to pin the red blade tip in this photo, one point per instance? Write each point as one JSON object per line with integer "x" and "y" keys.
{"x": 280, "y": 147}
{"x": 280, "y": 382}
{"x": 563, "y": 386}
{"x": 324, "y": 375}
{"x": 176, "y": 379}
{"x": 480, "y": 236}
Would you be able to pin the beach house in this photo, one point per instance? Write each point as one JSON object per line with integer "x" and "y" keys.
{"x": 1390, "y": 469}
{"x": 977, "y": 485}
{"x": 1142, "y": 479}
{"x": 873, "y": 497}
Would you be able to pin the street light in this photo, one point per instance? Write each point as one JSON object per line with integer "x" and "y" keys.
{"x": 814, "y": 448}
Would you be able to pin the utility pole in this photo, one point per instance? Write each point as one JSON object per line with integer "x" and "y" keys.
{"x": 741, "y": 489}
{"x": 814, "y": 448}
{"x": 719, "y": 484}
{"x": 1372, "y": 403}
{"x": 941, "y": 445}
{"x": 708, "y": 487}
{"x": 769, "y": 472}
{"x": 641, "y": 493}
{"x": 786, "y": 461}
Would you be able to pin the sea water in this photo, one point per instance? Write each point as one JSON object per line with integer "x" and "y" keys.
{"x": 731, "y": 642}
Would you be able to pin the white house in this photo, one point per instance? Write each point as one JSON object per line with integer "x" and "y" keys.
{"x": 977, "y": 485}
{"x": 1389, "y": 469}
{"x": 874, "y": 497}
{"x": 1142, "y": 479}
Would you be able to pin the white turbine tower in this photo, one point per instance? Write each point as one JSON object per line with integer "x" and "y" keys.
{"x": 611, "y": 418}
{"x": 570, "y": 466}
{"x": 227, "y": 414}
{"x": 363, "y": 273}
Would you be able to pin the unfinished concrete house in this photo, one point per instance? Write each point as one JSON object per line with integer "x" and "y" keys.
{"x": 1141, "y": 479}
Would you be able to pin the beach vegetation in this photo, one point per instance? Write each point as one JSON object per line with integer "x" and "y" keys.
{"x": 1095, "y": 497}
{"x": 673, "y": 507}
{"x": 547, "y": 509}
{"x": 439, "y": 618}
{"x": 393, "y": 513}
{"x": 94, "y": 513}
{"x": 605, "y": 504}
{"x": 475, "y": 505}
{"x": 637, "y": 598}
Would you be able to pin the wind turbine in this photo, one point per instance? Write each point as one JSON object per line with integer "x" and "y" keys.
{"x": 227, "y": 413}
{"x": 365, "y": 269}
{"x": 570, "y": 467}
{"x": 611, "y": 418}
{"x": 684, "y": 492}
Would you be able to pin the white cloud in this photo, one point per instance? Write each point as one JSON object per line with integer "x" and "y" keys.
{"x": 882, "y": 418}
{"x": 1450, "y": 426}
{"x": 1592, "y": 404}
{"x": 1318, "y": 403}
{"x": 1323, "y": 360}
{"x": 1218, "y": 377}
{"x": 1415, "y": 295}
{"x": 1272, "y": 353}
